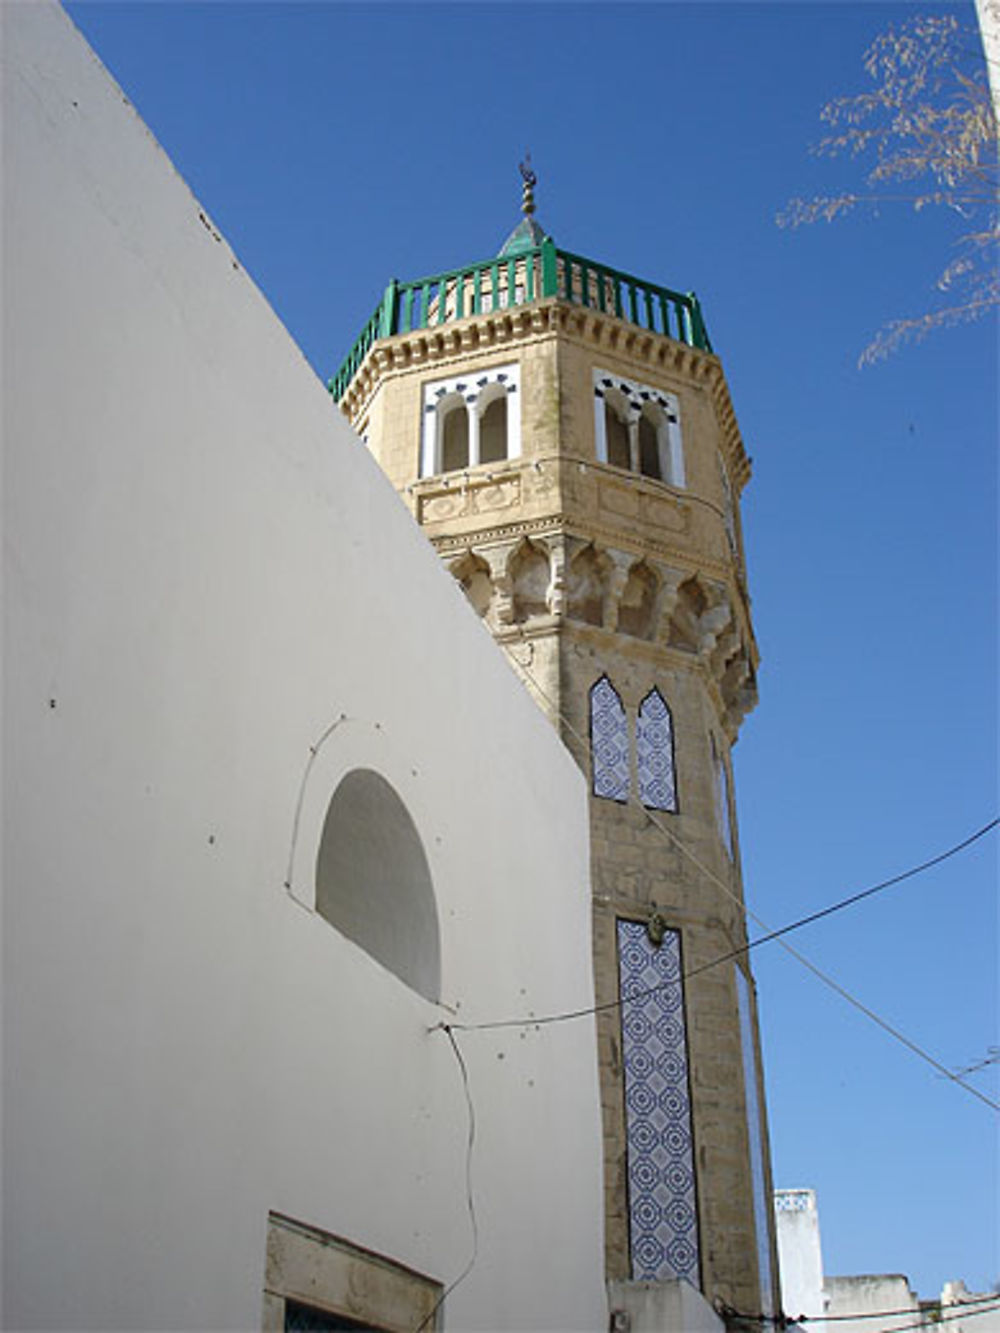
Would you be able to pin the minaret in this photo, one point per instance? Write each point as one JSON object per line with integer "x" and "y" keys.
{"x": 563, "y": 433}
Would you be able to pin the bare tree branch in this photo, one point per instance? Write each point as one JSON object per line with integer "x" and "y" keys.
{"x": 928, "y": 126}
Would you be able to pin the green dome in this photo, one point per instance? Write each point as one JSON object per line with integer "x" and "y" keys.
{"x": 525, "y": 236}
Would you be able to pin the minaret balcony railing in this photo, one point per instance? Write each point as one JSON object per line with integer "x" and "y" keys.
{"x": 540, "y": 273}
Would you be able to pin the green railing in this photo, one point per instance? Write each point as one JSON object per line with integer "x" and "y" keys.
{"x": 515, "y": 280}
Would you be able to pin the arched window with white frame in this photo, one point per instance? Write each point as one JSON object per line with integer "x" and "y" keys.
{"x": 492, "y": 410}
{"x": 618, "y": 444}
{"x": 637, "y": 428}
{"x": 471, "y": 419}
{"x": 453, "y": 429}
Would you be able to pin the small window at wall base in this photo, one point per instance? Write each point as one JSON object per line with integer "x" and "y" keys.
{"x": 471, "y": 420}
{"x": 314, "y": 1282}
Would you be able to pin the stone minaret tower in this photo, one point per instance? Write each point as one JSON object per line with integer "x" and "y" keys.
{"x": 564, "y": 435}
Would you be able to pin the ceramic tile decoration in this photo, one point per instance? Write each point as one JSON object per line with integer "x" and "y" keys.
{"x": 663, "y": 1213}
{"x": 654, "y": 746}
{"x": 609, "y": 742}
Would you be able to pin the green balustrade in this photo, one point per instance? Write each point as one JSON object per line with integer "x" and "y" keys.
{"x": 540, "y": 273}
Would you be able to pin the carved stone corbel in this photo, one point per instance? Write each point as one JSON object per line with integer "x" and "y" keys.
{"x": 666, "y": 603}
{"x": 498, "y": 559}
{"x": 710, "y": 626}
{"x": 555, "y": 594}
{"x": 619, "y": 565}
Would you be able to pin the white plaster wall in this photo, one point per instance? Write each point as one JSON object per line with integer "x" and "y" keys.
{"x": 202, "y": 570}
{"x": 869, "y": 1295}
{"x": 651, "y": 1307}
{"x": 800, "y": 1255}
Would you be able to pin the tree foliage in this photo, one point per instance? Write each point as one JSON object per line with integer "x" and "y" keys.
{"x": 927, "y": 132}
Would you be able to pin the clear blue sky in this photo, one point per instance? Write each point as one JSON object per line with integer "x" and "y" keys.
{"x": 338, "y": 146}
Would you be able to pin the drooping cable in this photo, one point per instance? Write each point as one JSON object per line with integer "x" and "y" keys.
{"x": 446, "y": 1028}
{"x": 709, "y": 874}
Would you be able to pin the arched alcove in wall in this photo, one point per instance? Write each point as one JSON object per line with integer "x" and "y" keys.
{"x": 373, "y": 882}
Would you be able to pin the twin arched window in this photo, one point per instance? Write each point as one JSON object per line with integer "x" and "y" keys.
{"x": 637, "y": 428}
{"x": 611, "y": 748}
{"x": 471, "y": 420}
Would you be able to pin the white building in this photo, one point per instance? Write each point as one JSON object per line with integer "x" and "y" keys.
{"x": 869, "y": 1302}
{"x": 241, "y": 698}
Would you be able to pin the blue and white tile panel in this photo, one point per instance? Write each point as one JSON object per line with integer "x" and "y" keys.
{"x": 654, "y": 750}
{"x": 609, "y": 743}
{"x": 663, "y": 1213}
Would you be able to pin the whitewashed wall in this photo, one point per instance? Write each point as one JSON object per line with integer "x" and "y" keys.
{"x": 203, "y": 569}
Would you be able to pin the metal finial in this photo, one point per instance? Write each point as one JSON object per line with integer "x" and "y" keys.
{"x": 530, "y": 181}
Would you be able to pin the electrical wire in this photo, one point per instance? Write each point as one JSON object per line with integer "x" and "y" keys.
{"x": 446, "y": 1028}
{"x": 991, "y": 1298}
{"x": 929, "y": 1317}
{"x": 827, "y": 980}
{"x": 739, "y": 952}
{"x": 924, "y": 1322}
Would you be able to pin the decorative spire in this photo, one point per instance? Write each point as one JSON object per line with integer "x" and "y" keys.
{"x": 527, "y": 234}
{"x": 528, "y": 190}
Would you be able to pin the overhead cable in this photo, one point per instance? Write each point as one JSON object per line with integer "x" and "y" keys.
{"x": 725, "y": 888}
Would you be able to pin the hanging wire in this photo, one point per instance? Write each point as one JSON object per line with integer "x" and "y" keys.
{"x": 721, "y": 884}
{"x": 446, "y": 1028}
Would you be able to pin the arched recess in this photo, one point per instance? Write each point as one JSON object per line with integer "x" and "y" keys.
{"x": 529, "y": 572}
{"x": 692, "y": 603}
{"x": 373, "y": 883}
{"x": 586, "y": 587}
{"x": 473, "y": 573}
{"x": 635, "y": 610}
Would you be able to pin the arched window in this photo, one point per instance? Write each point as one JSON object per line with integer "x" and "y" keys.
{"x": 654, "y": 749}
{"x": 609, "y": 747}
{"x": 616, "y": 433}
{"x": 471, "y": 419}
{"x": 650, "y": 444}
{"x": 650, "y": 463}
{"x": 493, "y": 427}
{"x": 373, "y": 882}
{"x": 454, "y": 426}
{"x": 637, "y": 427}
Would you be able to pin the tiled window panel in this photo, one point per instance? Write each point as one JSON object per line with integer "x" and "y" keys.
{"x": 609, "y": 742}
{"x": 663, "y": 1213}
{"x": 654, "y": 746}
{"x": 761, "y": 1200}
